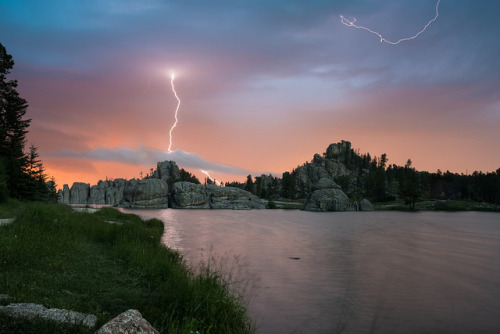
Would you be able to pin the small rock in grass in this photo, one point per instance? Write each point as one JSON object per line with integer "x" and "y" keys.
{"x": 128, "y": 322}
{"x": 31, "y": 311}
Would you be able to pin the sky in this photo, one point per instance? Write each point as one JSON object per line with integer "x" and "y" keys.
{"x": 263, "y": 84}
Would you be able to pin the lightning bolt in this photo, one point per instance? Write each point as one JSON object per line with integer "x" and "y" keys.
{"x": 351, "y": 23}
{"x": 172, "y": 76}
{"x": 176, "y": 111}
{"x": 208, "y": 175}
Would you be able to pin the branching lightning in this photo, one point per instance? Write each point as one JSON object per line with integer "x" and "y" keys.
{"x": 176, "y": 111}
{"x": 351, "y": 23}
{"x": 208, "y": 175}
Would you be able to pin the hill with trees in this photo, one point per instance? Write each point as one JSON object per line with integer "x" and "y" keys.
{"x": 365, "y": 176}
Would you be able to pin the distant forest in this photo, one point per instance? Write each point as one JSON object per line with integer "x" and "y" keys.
{"x": 380, "y": 182}
{"x": 373, "y": 178}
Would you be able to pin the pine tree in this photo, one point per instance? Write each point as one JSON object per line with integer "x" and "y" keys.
{"x": 13, "y": 129}
{"x": 249, "y": 184}
{"x": 289, "y": 186}
{"x": 21, "y": 175}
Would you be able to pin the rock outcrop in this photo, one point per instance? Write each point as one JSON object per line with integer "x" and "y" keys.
{"x": 187, "y": 195}
{"x": 130, "y": 321}
{"x": 339, "y": 150}
{"x": 79, "y": 193}
{"x": 64, "y": 194}
{"x": 365, "y": 205}
{"x": 326, "y": 195}
{"x": 310, "y": 173}
{"x": 31, "y": 311}
{"x": 105, "y": 192}
{"x": 232, "y": 198}
{"x": 167, "y": 170}
{"x": 156, "y": 192}
{"x": 145, "y": 193}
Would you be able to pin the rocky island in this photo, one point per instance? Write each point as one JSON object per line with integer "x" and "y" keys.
{"x": 164, "y": 189}
{"x": 168, "y": 187}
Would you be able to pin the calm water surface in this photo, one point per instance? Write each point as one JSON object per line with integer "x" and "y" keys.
{"x": 357, "y": 272}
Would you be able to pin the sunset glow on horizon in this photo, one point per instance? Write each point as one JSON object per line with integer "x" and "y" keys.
{"x": 264, "y": 85}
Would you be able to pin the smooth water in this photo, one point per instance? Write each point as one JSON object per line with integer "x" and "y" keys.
{"x": 355, "y": 272}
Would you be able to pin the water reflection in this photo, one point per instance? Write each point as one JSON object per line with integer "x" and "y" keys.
{"x": 378, "y": 272}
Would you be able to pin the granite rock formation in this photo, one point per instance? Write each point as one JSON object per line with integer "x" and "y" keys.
{"x": 326, "y": 195}
{"x": 79, "y": 193}
{"x": 105, "y": 192}
{"x": 167, "y": 171}
{"x": 145, "y": 193}
{"x": 187, "y": 195}
{"x": 158, "y": 190}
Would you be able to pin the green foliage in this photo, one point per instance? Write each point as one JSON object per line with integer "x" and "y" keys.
{"x": 271, "y": 204}
{"x": 376, "y": 184}
{"x": 249, "y": 184}
{"x": 4, "y": 191}
{"x": 187, "y": 176}
{"x": 108, "y": 262}
{"x": 21, "y": 175}
{"x": 289, "y": 186}
{"x": 344, "y": 182}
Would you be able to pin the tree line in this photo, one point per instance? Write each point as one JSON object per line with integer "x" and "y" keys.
{"x": 377, "y": 180}
{"x": 22, "y": 175}
{"x": 380, "y": 182}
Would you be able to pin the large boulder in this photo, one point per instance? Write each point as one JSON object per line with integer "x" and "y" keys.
{"x": 79, "y": 193}
{"x": 128, "y": 322}
{"x": 187, "y": 195}
{"x": 325, "y": 183}
{"x": 232, "y": 198}
{"x": 326, "y": 195}
{"x": 365, "y": 205}
{"x": 146, "y": 193}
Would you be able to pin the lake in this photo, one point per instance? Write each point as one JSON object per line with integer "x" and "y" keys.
{"x": 352, "y": 272}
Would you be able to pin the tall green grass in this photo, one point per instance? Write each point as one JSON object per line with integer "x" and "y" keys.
{"x": 54, "y": 256}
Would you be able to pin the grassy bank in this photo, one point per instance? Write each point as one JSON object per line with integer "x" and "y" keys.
{"x": 54, "y": 256}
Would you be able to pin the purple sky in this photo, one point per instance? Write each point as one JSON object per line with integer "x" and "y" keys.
{"x": 264, "y": 84}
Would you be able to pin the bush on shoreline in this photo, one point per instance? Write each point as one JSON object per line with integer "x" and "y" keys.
{"x": 108, "y": 262}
